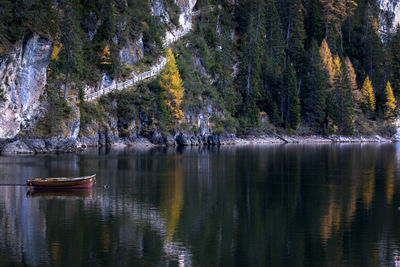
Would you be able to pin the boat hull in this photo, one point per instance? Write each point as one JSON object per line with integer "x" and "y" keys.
{"x": 62, "y": 183}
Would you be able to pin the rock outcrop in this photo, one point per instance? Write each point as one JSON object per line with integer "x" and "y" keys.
{"x": 390, "y": 9}
{"x": 22, "y": 79}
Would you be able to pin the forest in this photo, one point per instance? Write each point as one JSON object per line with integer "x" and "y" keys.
{"x": 300, "y": 66}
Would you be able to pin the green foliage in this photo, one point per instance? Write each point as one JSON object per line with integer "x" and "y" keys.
{"x": 89, "y": 112}
{"x": 2, "y": 97}
{"x": 292, "y": 110}
{"x": 263, "y": 59}
{"x": 58, "y": 112}
{"x": 314, "y": 90}
{"x": 394, "y": 48}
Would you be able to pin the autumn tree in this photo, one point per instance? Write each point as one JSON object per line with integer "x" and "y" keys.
{"x": 335, "y": 12}
{"x": 390, "y": 105}
{"x": 327, "y": 62}
{"x": 340, "y": 104}
{"x": 368, "y": 96}
{"x": 172, "y": 86}
{"x": 352, "y": 80}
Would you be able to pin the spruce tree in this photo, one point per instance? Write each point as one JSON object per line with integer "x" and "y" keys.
{"x": 273, "y": 62}
{"x": 296, "y": 35}
{"x": 373, "y": 59}
{"x": 71, "y": 55}
{"x": 291, "y": 107}
{"x": 394, "y": 49}
{"x": 252, "y": 47}
{"x": 313, "y": 22}
{"x": 315, "y": 90}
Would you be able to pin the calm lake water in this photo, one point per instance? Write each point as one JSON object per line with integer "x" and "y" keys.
{"x": 277, "y": 205}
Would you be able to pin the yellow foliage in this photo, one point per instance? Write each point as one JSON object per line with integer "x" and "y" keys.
{"x": 390, "y": 104}
{"x": 144, "y": 24}
{"x": 56, "y": 50}
{"x": 368, "y": 95}
{"x": 368, "y": 188}
{"x": 337, "y": 66}
{"x": 327, "y": 61}
{"x": 106, "y": 56}
{"x": 390, "y": 180}
{"x": 172, "y": 86}
{"x": 351, "y": 74}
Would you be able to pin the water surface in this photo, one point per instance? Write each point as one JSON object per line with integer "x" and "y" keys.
{"x": 276, "y": 205}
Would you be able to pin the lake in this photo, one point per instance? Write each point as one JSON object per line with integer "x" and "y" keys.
{"x": 271, "y": 205}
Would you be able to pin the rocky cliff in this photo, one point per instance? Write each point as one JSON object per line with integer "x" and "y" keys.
{"x": 22, "y": 80}
{"x": 390, "y": 11}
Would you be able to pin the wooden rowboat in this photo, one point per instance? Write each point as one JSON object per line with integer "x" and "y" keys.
{"x": 85, "y": 182}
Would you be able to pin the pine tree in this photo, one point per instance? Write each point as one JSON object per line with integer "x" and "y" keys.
{"x": 171, "y": 84}
{"x": 390, "y": 105}
{"x": 368, "y": 96}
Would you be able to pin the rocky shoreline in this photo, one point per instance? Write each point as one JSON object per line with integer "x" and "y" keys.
{"x": 71, "y": 145}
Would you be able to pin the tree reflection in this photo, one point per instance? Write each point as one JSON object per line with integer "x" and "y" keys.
{"x": 291, "y": 205}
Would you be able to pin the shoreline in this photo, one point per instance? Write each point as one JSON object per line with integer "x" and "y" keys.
{"x": 17, "y": 146}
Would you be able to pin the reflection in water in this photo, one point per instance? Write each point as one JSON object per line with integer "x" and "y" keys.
{"x": 60, "y": 194}
{"x": 292, "y": 205}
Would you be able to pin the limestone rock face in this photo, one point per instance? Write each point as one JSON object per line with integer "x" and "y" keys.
{"x": 389, "y": 9}
{"x": 22, "y": 79}
{"x": 131, "y": 54}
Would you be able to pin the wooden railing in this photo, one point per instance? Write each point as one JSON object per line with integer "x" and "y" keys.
{"x": 154, "y": 70}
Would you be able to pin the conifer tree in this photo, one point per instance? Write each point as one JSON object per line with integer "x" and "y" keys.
{"x": 327, "y": 61}
{"x": 293, "y": 99}
{"x": 296, "y": 34}
{"x": 346, "y": 101}
{"x": 253, "y": 45}
{"x": 6, "y": 22}
{"x": 313, "y": 22}
{"x": 290, "y": 109}
{"x": 373, "y": 53}
{"x": 335, "y": 12}
{"x": 171, "y": 84}
{"x": 394, "y": 49}
{"x": 368, "y": 96}
{"x": 314, "y": 93}
{"x": 72, "y": 51}
{"x": 273, "y": 62}
{"x": 390, "y": 105}
{"x": 352, "y": 80}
